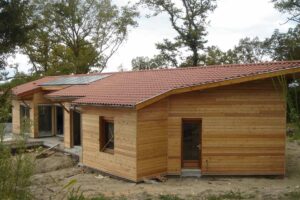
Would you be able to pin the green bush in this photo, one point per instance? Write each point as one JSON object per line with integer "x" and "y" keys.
{"x": 15, "y": 170}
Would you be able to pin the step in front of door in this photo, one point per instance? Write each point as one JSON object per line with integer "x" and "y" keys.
{"x": 191, "y": 173}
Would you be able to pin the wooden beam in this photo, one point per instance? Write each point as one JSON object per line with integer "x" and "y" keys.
{"x": 150, "y": 101}
{"x": 25, "y": 104}
{"x": 62, "y": 105}
{"x": 51, "y": 88}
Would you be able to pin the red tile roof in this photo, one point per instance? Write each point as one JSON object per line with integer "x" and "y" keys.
{"x": 33, "y": 85}
{"x": 132, "y": 88}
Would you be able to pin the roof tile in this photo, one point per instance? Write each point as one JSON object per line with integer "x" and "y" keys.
{"x": 131, "y": 88}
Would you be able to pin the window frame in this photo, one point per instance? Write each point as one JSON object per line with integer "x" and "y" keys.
{"x": 26, "y": 112}
{"x": 103, "y": 136}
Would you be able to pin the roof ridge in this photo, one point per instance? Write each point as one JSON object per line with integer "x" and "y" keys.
{"x": 212, "y": 66}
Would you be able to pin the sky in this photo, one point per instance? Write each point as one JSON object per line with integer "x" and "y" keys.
{"x": 231, "y": 21}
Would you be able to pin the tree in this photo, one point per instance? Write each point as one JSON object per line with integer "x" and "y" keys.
{"x": 284, "y": 46}
{"x": 15, "y": 24}
{"x": 78, "y": 36}
{"x": 146, "y": 63}
{"x": 291, "y": 7}
{"x": 247, "y": 51}
{"x": 189, "y": 20}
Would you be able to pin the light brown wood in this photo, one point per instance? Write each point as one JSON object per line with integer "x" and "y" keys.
{"x": 67, "y": 126}
{"x": 243, "y": 128}
{"x": 243, "y": 131}
{"x": 152, "y": 140}
{"x": 122, "y": 162}
{"x": 16, "y": 115}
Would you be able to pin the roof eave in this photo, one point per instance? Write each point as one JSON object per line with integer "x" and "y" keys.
{"x": 208, "y": 85}
{"x": 104, "y": 105}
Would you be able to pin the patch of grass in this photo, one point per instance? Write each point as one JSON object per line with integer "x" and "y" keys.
{"x": 169, "y": 197}
{"x": 101, "y": 197}
{"x": 294, "y": 195}
{"x": 236, "y": 195}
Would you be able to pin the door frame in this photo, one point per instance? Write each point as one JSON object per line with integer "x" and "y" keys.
{"x": 72, "y": 127}
{"x": 52, "y": 119}
{"x": 200, "y": 121}
{"x": 55, "y": 120}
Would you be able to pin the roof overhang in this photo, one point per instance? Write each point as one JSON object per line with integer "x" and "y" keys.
{"x": 208, "y": 85}
{"x": 62, "y": 98}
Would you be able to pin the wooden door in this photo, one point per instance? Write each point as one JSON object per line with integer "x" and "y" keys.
{"x": 191, "y": 144}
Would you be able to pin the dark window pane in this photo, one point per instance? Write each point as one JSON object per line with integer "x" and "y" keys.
{"x": 59, "y": 120}
{"x": 109, "y": 134}
{"x": 45, "y": 120}
{"x": 24, "y": 118}
{"x": 191, "y": 141}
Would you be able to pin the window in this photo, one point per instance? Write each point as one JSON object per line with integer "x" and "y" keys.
{"x": 24, "y": 118}
{"x": 106, "y": 134}
{"x": 45, "y": 120}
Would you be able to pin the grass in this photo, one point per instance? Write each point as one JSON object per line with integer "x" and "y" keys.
{"x": 294, "y": 195}
{"x": 231, "y": 195}
{"x": 169, "y": 197}
{"x": 236, "y": 195}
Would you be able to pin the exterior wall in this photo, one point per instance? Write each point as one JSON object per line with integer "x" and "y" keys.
{"x": 122, "y": 162}
{"x": 67, "y": 128}
{"x": 243, "y": 130}
{"x": 16, "y": 116}
{"x": 152, "y": 140}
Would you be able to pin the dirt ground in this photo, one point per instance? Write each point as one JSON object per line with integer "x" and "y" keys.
{"x": 56, "y": 171}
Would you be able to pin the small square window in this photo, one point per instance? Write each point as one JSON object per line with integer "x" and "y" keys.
{"x": 106, "y": 135}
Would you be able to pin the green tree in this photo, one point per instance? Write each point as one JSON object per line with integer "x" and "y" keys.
{"x": 189, "y": 20}
{"x": 146, "y": 63}
{"x": 291, "y": 7}
{"x": 77, "y": 36}
{"x": 15, "y": 24}
{"x": 247, "y": 51}
{"x": 284, "y": 46}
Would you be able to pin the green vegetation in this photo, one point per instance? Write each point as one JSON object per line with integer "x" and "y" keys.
{"x": 237, "y": 195}
{"x": 15, "y": 170}
{"x": 293, "y": 195}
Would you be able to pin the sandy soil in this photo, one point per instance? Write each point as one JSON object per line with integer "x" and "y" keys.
{"x": 50, "y": 183}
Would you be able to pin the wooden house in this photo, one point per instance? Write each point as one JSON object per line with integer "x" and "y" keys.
{"x": 219, "y": 120}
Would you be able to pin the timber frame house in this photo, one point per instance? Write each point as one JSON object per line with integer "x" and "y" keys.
{"x": 219, "y": 120}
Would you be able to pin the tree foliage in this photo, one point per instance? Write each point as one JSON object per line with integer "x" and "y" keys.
{"x": 15, "y": 24}
{"x": 284, "y": 46}
{"x": 76, "y": 36}
{"x": 291, "y": 7}
{"x": 189, "y": 20}
{"x": 146, "y": 63}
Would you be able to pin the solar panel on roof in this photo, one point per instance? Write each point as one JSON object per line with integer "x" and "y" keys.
{"x": 75, "y": 80}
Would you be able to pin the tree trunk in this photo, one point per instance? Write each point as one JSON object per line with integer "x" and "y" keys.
{"x": 195, "y": 58}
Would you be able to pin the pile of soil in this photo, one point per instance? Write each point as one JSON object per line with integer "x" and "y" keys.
{"x": 56, "y": 161}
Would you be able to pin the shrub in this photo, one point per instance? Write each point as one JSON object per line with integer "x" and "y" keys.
{"x": 15, "y": 170}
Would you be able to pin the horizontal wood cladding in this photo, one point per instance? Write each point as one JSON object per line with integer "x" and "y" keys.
{"x": 122, "y": 162}
{"x": 152, "y": 140}
{"x": 243, "y": 128}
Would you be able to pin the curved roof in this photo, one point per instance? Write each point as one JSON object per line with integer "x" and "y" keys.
{"x": 137, "y": 87}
